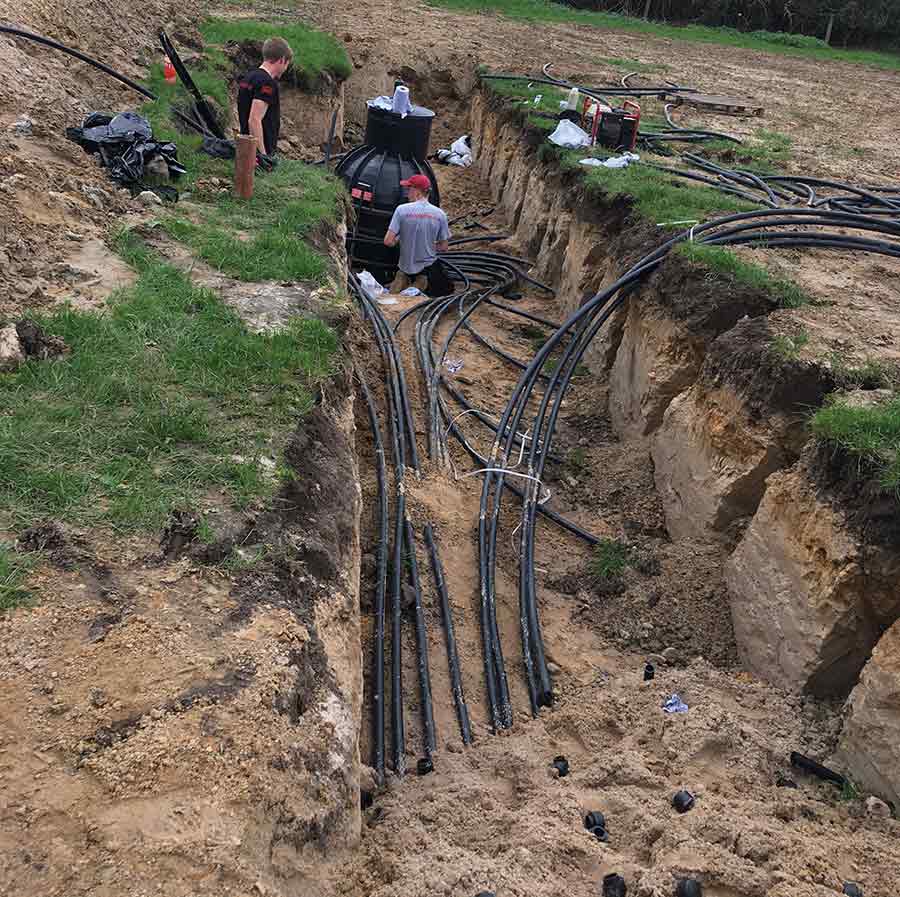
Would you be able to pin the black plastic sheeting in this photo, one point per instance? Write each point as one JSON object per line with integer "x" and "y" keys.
{"x": 126, "y": 146}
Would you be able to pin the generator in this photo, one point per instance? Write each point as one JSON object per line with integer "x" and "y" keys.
{"x": 614, "y": 128}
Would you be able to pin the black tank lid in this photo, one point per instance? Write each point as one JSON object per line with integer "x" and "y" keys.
{"x": 414, "y": 111}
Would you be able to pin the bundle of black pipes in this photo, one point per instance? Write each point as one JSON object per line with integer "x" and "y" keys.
{"x": 789, "y": 191}
{"x": 480, "y": 276}
{"x": 764, "y": 227}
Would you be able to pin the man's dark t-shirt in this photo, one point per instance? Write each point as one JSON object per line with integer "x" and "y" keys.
{"x": 260, "y": 85}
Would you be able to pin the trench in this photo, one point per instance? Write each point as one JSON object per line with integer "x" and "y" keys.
{"x": 599, "y": 478}
{"x": 605, "y": 474}
{"x": 624, "y": 467}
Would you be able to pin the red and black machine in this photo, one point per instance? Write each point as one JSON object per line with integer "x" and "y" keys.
{"x": 613, "y": 128}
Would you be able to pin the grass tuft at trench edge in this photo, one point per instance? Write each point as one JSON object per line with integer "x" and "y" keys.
{"x": 164, "y": 397}
{"x": 869, "y": 433}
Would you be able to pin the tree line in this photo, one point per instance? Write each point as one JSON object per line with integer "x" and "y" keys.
{"x": 873, "y": 23}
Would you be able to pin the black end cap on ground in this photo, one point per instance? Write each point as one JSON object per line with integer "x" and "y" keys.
{"x": 425, "y": 766}
{"x": 683, "y": 801}
{"x": 688, "y": 887}
{"x": 594, "y": 819}
{"x": 561, "y": 765}
{"x": 852, "y": 889}
{"x": 485, "y": 894}
{"x": 614, "y": 885}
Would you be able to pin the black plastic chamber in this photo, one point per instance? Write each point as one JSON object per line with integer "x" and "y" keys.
{"x": 396, "y": 148}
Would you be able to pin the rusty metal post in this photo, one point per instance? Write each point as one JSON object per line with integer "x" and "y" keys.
{"x": 244, "y": 165}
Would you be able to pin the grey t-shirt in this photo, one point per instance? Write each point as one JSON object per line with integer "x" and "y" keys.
{"x": 419, "y": 225}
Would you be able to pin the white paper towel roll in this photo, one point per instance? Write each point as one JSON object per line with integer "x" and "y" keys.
{"x": 401, "y": 100}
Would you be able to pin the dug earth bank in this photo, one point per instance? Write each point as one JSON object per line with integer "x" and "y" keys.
{"x": 168, "y": 727}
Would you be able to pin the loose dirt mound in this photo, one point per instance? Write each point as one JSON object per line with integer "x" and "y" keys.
{"x": 55, "y": 204}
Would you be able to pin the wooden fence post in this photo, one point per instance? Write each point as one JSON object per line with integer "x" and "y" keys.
{"x": 244, "y": 165}
{"x": 647, "y": 9}
{"x": 828, "y": 29}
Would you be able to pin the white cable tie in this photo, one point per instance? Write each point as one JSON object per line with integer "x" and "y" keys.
{"x": 673, "y": 223}
{"x": 503, "y": 470}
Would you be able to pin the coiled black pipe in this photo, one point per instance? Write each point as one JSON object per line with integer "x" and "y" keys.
{"x": 604, "y": 303}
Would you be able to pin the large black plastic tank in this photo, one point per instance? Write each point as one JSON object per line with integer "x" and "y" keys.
{"x": 396, "y": 148}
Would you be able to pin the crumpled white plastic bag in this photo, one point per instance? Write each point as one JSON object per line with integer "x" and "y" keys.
{"x": 371, "y": 287}
{"x": 622, "y": 161}
{"x": 569, "y": 135}
{"x": 462, "y": 146}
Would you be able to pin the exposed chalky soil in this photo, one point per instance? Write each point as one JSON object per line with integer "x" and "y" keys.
{"x": 495, "y": 816}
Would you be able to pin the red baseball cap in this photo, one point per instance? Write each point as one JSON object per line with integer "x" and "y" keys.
{"x": 419, "y": 181}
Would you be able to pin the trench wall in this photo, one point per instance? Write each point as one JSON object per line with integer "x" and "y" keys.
{"x": 690, "y": 368}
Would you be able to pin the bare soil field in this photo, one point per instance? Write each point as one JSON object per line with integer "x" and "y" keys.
{"x": 149, "y": 737}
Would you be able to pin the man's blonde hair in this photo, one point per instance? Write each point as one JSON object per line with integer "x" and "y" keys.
{"x": 276, "y": 48}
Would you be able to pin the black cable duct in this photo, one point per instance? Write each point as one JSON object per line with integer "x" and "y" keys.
{"x": 101, "y": 66}
{"x": 428, "y": 733}
{"x": 759, "y": 228}
{"x": 380, "y": 586}
{"x": 459, "y": 698}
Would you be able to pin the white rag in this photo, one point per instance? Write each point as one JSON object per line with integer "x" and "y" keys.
{"x": 622, "y": 161}
{"x": 569, "y": 135}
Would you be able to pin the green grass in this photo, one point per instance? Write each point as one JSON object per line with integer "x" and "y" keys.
{"x": 577, "y": 459}
{"x": 13, "y": 569}
{"x": 772, "y": 42}
{"x": 788, "y": 347}
{"x": 315, "y": 52}
{"x": 210, "y": 79}
{"x": 850, "y": 791}
{"x": 765, "y": 152}
{"x": 660, "y": 197}
{"x": 870, "y": 374}
{"x": 870, "y": 433}
{"x": 610, "y": 558}
{"x": 632, "y": 65}
{"x": 265, "y": 238}
{"x": 159, "y": 395}
{"x": 724, "y": 263}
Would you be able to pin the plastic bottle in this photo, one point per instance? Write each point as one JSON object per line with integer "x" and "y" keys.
{"x": 169, "y": 71}
{"x": 572, "y": 102}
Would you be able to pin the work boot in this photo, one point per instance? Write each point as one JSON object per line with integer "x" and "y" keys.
{"x": 421, "y": 282}
{"x": 399, "y": 283}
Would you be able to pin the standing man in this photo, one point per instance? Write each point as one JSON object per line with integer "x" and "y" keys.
{"x": 259, "y": 105}
{"x": 422, "y": 231}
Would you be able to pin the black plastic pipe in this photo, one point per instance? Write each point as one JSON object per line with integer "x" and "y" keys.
{"x": 428, "y": 731}
{"x": 459, "y": 698}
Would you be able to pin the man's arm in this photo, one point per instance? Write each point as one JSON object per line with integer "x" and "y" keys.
{"x": 443, "y": 242}
{"x": 392, "y": 237}
{"x": 258, "y": 110}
